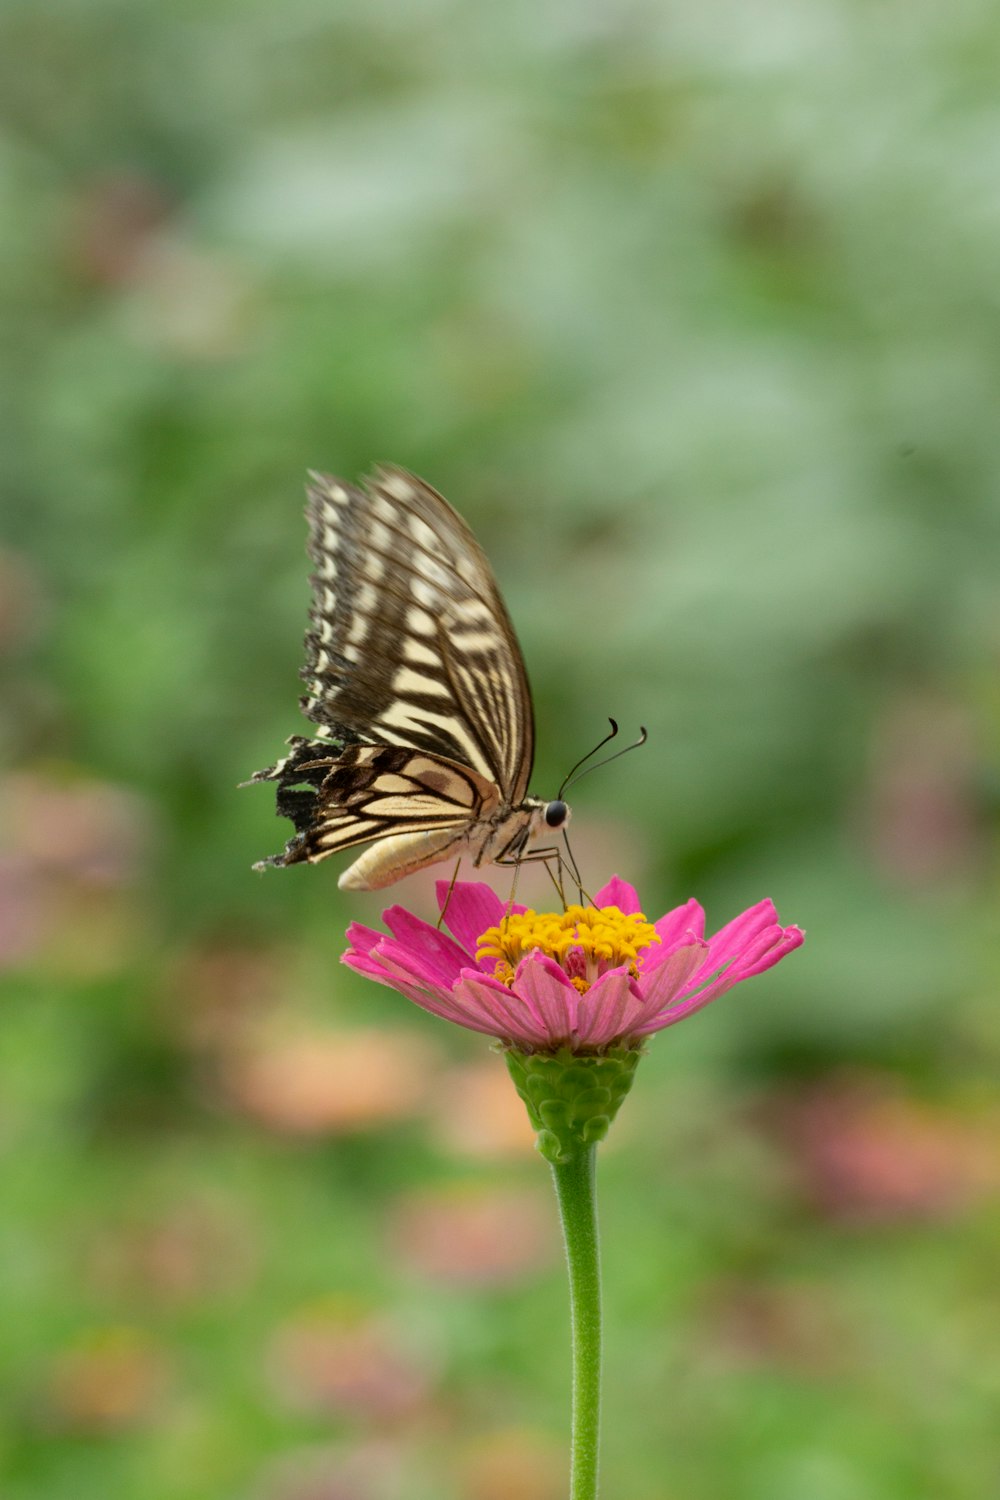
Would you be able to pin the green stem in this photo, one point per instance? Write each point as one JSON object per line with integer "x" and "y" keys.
{"x": 571, "y": 1099}
{"x": 574, "y": 1179}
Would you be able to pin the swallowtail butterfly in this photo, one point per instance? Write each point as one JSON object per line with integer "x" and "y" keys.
{"x": 424, "y": 725}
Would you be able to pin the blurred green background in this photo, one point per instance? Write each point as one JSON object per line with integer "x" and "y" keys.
{"x": 694, "y": 314}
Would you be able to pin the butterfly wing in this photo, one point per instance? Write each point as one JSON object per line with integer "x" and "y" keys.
{"x": 409, "y": 642}
{"x": 365, "y": 792}
{"x": 414, "y": 679}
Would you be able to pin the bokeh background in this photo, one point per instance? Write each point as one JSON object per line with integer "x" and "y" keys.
{"x": 694, "y": 312}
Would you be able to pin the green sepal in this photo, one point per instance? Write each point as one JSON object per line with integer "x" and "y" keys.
{"x": 571, "y": 1097}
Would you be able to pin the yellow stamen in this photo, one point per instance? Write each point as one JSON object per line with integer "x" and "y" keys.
{"x": 585, "y": 940}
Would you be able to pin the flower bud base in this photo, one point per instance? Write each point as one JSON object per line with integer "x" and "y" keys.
{"x": 571, "y": 1097}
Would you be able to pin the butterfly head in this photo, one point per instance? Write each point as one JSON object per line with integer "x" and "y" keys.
{"x": 534, "y": 819}
{"x": 556, "y": 814}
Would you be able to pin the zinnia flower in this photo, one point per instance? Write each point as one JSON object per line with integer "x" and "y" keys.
{"x": 585, "y": 980}
{"x": 571, "y": 996}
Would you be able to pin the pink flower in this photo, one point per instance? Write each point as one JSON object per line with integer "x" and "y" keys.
{"x": 587, "y": 979}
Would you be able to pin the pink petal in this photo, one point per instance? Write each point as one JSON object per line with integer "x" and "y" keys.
{"x": 740, "y": 932}
{"x": 685, "y": 1007}
{"x": 459, "y": 1013}
{"x": 744, "y": 963}
{"x": 731, "y": 944}
{"x": 434, "y": 948}
{"x": 683, "y": 919}
{"x": 544, "y": 986}
{"x": 499, "y": 1012}
{"x": 608, "y": 1011}
{"x": 399, "y": 970}
{"x": 657, "y": 954}
{"x": 438, "y": 1003}
{"x": 543, "y": 1009}
{"x": 464, "y": 1009}
{"x": 411, "y": 965}
{"x": 472, "y": 907}
{"x": 791, "y": 938}
{"x": 661, "y": 984}
{"x": 363, "y": 939}
{"x": 675, "y": 1013}
{"x": 769, "y": 947}
{"x": 618, "y": 893}
{"x": 369, "y": 967}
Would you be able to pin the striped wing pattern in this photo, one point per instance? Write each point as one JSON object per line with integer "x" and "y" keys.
{"x": 409, "y": 641}
{"x": 366, "y": 792}
{"x": 414, "y": 677}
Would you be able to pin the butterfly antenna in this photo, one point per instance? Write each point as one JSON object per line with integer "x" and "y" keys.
{"x": 572, "y": 778}
{"x": 572, "y": 772}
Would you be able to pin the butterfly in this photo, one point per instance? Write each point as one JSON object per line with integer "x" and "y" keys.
{"x": 416, "y": 684}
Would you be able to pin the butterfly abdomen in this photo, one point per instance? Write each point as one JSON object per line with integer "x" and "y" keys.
{"x": 501, "y": 838}
{"x": 401, "y": 854}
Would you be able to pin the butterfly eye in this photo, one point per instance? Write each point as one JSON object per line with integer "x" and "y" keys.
{"x": 555, "y": 814}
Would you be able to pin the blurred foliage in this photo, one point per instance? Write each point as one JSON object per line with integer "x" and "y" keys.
{"x": 693, "y": 313}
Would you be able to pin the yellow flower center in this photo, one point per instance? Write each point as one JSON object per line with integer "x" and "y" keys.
{"x": 585, "y": 940}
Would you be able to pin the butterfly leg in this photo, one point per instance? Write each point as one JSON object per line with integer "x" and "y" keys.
{"x": 557, "y": 877}
{"x": 513, "y": 890}
{"x": 562, "y": 863}
{"x": 451, "y": 887}
{"x": 585, "y": 897}
{"x": 546, "y": 856}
